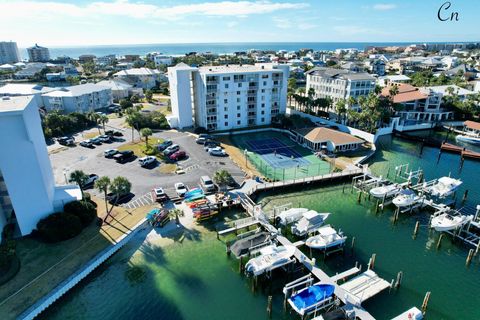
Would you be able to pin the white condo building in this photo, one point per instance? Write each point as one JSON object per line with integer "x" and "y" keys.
{"x": 81, "y": 98}
{"x": 9, "y": 52}
{"x": 38, "y": 54}
{"x": 27, "y": 186}
{"x": 227, "y": 97}
{"x": 339, "y": 84}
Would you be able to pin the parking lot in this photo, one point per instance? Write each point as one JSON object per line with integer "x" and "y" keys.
{"x": 197, "y": 164}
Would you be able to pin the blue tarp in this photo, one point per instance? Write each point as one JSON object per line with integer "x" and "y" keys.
{"x": 312, "y": 295}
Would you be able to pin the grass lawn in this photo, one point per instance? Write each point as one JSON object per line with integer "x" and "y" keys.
{"x": 45, "y": 265}
{"x": 138, "y": 146}
{"x": 167, "y": 168}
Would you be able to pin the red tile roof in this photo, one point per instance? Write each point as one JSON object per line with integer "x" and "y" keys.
{"x": 406, "y": 93}
{"x": 472, "y": 125}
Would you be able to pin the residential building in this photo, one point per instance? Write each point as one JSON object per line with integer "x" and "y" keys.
{"x": 86, "y": 58}
{"x": 9, "y": 52}
{"x": 25, "y": 89}
{"x": 339, "y": 84}
{"x": 120, "y": 89}
{"x": 38, "y": 54}
{"x": 386, "y": 80}
{"x": 376, "y": 66}
{"x": 162, "y": 60}
{"x": 81, "y": 98}
{"x": 7, "y": 67}
{"x": 140, "y": 77}
{"x": 106, "y": 60}
{"x": 419, "y": 105}
{"x": 227, "y": 97}
{"x": 27, "y": 186}
{"x": 30, "y": 70}
{"x": 461, "y": 93}
{"x": 320, "y": 139}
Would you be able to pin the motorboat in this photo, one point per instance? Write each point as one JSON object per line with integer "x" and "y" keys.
{"x": 444, "y": 187}
{"x": 447, "y": 221}
{"x": 327, "y": 237}
{"x": 290, "y": 215}
{"x": 406, "y": 198}
{"x": 310, "y": 298}
{"x": 244, "y": 245}
{"x": 310, "y": 222}
{"x": 467, "y": 138}
{"x": 385, "y": 191}
{"x": 269, "y": 258}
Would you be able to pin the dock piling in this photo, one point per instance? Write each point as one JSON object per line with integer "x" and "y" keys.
{"x": 269, "y": 306}
{"x": 240, "y": 267}
{"x": 359, "y": 198}
{"x": 415, "y": 231}
{"x": 439, "y": 241}
{"x": 425, "y": 302}
{"x": 469, "y": 257}
{"x": 399, "y": 279}
{"x": 465, "y": 195}
{"x": 353, "y": 243}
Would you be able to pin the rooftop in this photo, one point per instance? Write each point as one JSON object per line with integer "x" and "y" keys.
{"x": 339, "y": 74}
{"x": 79, "y": 90}
{"x": 320, "y": 134}
{"x": 456, "y": 89}
{"x": 137, "y": 72}
{"x": 9, "y": 104}
{"x": 241, "y": 68}
{"x": 23, "y": 89}
{"x": 472, "y": 125}
{"x": 406, "y": 92}
{"x": 115, "y": 84}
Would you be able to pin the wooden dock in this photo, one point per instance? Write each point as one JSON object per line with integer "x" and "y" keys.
{"x": 464, "y": 152}
{"x": 365, "y": 285}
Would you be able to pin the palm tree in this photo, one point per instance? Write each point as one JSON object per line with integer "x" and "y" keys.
{"x": 132, "y": 119}
{"x": 118, "y": 187}
{"x": 103, "y": 119}
{"x": 393, "y": 91}
{"x": 222, "y": 178}
{"x": 103, "y": 184}
{"x": 146, "y": 132}
{"x": 340, "y": 108}
{"x": 351, "y": 102}
{"x": 80, "y": 178}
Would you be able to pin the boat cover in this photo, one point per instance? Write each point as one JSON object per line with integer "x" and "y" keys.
{"x": 312, "y": 295}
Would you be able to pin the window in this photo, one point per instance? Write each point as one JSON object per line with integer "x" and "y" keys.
{"x": 262, "y": 120}
{"x": 238, "y": 115}
{"x": 263, "y": 112}
{"x": 238, "y": 92}
{"x": 264, "y": 76}
{"x": 225, "y": 101}
{"x": 239, "y": 85}
{"x": 226, "y": 85}
{"x": 263, "y": 105}
{"x": 226, "y": 78}
{"x": 265, "y": 83}
{"x": 238, "y": 99}
{"x": 226, "y": 116}
{"x": 226, "y": 124}
{"x": 263, "y": 90}
{"x": 238, "y": 122}
{"x": 238, "y": 107}
{"x": 225, "y": 109}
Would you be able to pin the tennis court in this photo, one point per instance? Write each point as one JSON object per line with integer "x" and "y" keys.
{"x": 278, "y": 157}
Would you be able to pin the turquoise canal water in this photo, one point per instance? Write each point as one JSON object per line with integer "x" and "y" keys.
{"x": 194, "y": 279}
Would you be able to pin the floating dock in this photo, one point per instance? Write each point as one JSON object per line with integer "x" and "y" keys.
{"x": 464, "y": 152}
{"x": 365, "y": 286}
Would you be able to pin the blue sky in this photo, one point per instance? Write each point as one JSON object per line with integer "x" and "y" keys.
{"x": 102, "y": 22}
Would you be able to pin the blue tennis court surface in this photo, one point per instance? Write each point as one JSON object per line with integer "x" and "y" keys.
{"x": 276, "y": 153}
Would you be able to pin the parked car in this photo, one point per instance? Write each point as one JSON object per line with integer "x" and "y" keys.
{"x": 114, "y": 133}
{"x": 203, "y": 137}
{"x": 87, "y": 144}
{"x": 109, "y": 153}
{"x": 66, "y": 141}
{"x": 180, "y": 189}
{"x": 217, "y": 151}
{"x": 114, "y": 109}
{"x": 172, "y": 149}
{"x": 146, "y": 161}
{"x": 179, "y": 170}
{"x": 211, "y": 144}
{"x": 96, "y": 141}
{"x": 164, "y": 145}
{"x": 90, "y": 180}
{"x": 124, "y": 156}
{"x": 179, "y": 155}
{"x": 159, "y": 195}
{"x": 207, "y": 183}
{"x": 105, "y": 138}
{"x": 118, "y": 198}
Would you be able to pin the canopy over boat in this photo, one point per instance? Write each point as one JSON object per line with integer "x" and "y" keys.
{"x": 310, "y": 297}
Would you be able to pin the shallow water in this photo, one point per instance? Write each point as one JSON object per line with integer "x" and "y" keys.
{"x": 195, "y": 280}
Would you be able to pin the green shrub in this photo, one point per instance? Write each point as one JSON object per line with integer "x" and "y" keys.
{"x": 84, "y": 210}
{"x": 59, "y": 226}
{"x": 150, "y": 150}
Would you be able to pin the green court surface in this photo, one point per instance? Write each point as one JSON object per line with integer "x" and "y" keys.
{"x": 277, "y": 157}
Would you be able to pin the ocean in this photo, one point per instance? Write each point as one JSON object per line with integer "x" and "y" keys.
{"x": 219, "y": 48}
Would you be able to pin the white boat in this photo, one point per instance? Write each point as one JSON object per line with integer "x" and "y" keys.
{"x": 310, "y": 222}
{"x": 327, "y": 237}
{"x": 385, "y": 191}
{"x": 269, "y": 258}
{"x": 472, "y": 139}
{"x": 290, "y": 215}
{"x": 447, "y": 222}
{"x": 406, "y": 198}
{"x": 444, "y": 187}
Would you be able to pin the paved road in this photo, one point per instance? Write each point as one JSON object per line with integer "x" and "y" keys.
{"x": 197, "y": 164}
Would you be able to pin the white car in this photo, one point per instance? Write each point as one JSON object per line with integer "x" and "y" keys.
{"x": 145, "y": 161}
{"x": 180, "y": 189}
{"x": 110, "y": 153}
{"x": 217, "y": 151}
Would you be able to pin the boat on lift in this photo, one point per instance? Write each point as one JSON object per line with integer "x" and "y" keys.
{"x": 270, "y": 257}
{"x": 311, "y": 298}
{"x": 243, "y": 246}
{"x": 290, "y": 215}
{"x": 444, "y": 187}
{"x": 326, "y": 238}
{"x": 387, "y": 191}
{"x": 406, "y": 198}
{"x": 447, "y": 221}
{"x": 311, "y": 221}
{"x": 469, "y": 138}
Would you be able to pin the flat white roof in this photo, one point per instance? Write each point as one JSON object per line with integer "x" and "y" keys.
{"x": 396, "y": 77}
{"x": 9, "y": 104}
{"x": 456, "y": 89}
{"x": 23, "y": 89}
{"x": 259, "y": 67}
{"x": 74, "y": 91}
{"x": 138, "y": 72}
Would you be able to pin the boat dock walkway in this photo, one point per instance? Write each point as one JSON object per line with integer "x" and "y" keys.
{"x": 464, "y": 152}
{"x": 346, "y": 274}
{"x": 365, "y": 285}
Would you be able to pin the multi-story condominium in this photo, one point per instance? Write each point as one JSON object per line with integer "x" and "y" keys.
{"x": 9, "y": 52}
{"x": 82, "y": 98}
{"x": 38, "y": 54}
{"x": 27, "y": 186}
{"x": 162, "y": 60}
{"x": 25, "y": 89}
{"x": 339, "y": 84}
{"x": 227, "y": 97}
{"x": 84, "y": 58}
{"x": 140, "y": 77}
{"x": 106, "y": 60}
{"x": 420, "y": 105}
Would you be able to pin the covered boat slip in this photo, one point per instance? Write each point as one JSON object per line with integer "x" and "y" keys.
{"x": 365, "y": 285}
